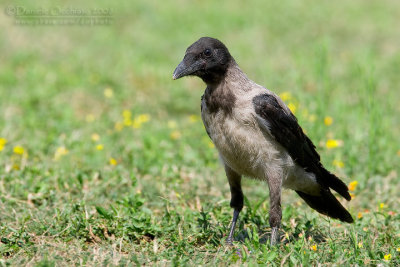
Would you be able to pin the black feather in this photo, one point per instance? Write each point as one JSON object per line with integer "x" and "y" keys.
{"x": 284, "y": 127}
{"x": 327, "y": 204}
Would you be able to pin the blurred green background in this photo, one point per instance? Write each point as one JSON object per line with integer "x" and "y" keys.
{"x": 104, "y": 159}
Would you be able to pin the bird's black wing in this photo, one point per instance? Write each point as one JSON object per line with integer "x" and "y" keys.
{"x": 283, "y": 126}
{"x": 201, "y": 110}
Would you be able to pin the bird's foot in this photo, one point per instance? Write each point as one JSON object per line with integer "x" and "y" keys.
{"x": 229, "y": 242}
{"x": 274, "y": 236}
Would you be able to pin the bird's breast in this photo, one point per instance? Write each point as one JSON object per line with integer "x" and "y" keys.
{"x": 239, "y": 141}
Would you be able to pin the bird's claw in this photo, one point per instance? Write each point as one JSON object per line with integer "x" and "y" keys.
{"x": 274, "y": 236}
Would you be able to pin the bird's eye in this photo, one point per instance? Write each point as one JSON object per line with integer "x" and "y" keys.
{"x": 207, "y": 52}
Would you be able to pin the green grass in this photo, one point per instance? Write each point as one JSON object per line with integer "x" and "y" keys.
{"x": 166, "y": 201}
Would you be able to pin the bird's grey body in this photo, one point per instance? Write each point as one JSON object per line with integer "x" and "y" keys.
{"x": 243, "y": 145}
{"x": 258, "y": 136}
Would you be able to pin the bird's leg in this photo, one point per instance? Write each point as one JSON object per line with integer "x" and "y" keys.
{"x": 234, "y": 180}
{"x": 229, "y": 240}
{"x": 275, "y": 210}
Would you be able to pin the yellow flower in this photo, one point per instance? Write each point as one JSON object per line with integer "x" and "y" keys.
{"x": 142, "y": 118}
{"x": 360, "y": 245}
{"x": 118, "y": 126}
{"x": 139, "y": 120}
{"x": 100, "y": 147}
{"x": 113, "y": 161}
{"x": 314, "y": 247}
{"x": 175, "y": 135}
{"x": 172, "y": 124}
{"x": 398, "y": 249}
{"x": 359, "y": 215}
{"x": 90, "y": 118}
{"x": 338, "y": 163}
{"x": 95, "y": 137}
{"x": 3, "y": 141}
{"x": 387, "y": 257}
{"x": 333, "y": 143}
{"x": 108, "y": 92}
{"x": 292, "y": 107}
{"x": 398, "y": 153}
{"x": 285, "y": 96}
{"x": 193, "y": 118}
{"x": 127, "y": 121}
{"x": 353, "y": 185}
{"x": 382, "y": 205}
{"x": 126, "y": 113}
{"x": 328, "y": 120}
{"x": 19, "y": 150}
{"x": 61, "y": 151}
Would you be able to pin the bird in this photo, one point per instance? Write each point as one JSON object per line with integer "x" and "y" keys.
{"x": 257, "y": 136}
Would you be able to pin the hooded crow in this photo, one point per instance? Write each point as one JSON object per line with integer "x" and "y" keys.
{"x": 258, "y": 136}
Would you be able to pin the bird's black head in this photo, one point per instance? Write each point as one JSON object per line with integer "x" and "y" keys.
{"x": 208, "y": 58}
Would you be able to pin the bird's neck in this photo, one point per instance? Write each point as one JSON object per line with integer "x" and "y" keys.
{"x": 235, "y": 78}
{"x": 222, "y": 95}
{"x": 232, "y": 75}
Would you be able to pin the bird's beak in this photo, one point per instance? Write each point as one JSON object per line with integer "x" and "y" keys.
{"x": 185, "y": 69}
{"x": 179, "y": 71}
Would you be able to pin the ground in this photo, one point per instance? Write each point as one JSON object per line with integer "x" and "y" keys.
{"x": 104, "y": 159}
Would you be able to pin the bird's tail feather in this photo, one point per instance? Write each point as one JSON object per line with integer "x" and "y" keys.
{"x": 327, "y": 204}
{"x": 335, "y": 183}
